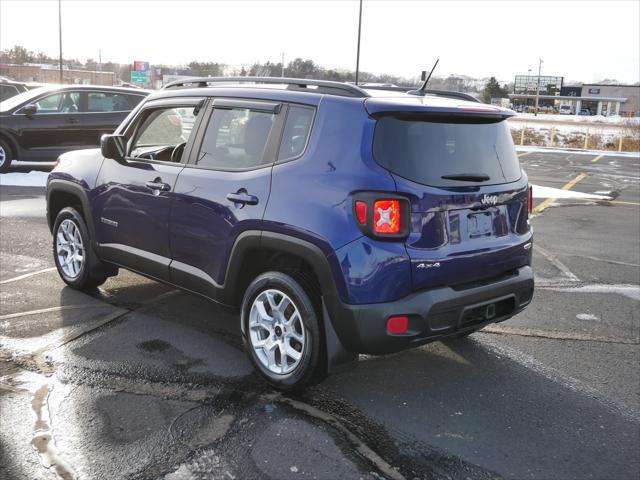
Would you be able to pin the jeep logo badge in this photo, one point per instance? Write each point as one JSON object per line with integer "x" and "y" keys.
{"x": 489, "y": 199}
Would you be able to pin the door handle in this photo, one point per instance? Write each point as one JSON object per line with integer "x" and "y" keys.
{"x": 242, "y": 197}
{"x": 72, "y": 120}
{"x": 158, "y": 185}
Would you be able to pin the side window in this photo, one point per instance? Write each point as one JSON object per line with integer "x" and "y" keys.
{"x": 7, "y": 91}
{"x": 235, "y": 139}
{"x": 65, "y": 102}
{"x": 296, "y": 132}
{"x": 111, "y": 102}
{"x": 163, "y": 133}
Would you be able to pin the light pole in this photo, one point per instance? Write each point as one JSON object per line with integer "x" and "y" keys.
{"x": 358, "y": 53}
{"x": 60, "y": 36}
{"x": 282, "y": 73}
{"x": 538, "y": 88}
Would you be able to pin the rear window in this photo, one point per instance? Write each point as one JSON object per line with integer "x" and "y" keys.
{"x": 425, "y": 151}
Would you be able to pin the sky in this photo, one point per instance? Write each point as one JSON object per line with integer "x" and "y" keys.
{"x": 580, "y": 40}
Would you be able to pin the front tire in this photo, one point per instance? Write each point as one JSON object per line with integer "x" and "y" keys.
{"x": 72, "y": 252}
{"x": 6, "y": 156}
{"x": 281, "y": 331}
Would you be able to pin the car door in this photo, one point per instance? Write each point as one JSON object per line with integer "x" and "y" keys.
{"x": 55, "y": 128}
{"x": 223, "y": 190}
{"x": 133, "y": 197}
{"x": 105, "y": 110}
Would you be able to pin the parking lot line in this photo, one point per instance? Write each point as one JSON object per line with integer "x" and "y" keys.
{"x": 27, "y": 275}
{"x": 54, "y": 309}
{"x": 622, "y": 202}
{"x": 540, "y": 208}
{"x": 597, "y": 158}
{"x": 523, "y": 154}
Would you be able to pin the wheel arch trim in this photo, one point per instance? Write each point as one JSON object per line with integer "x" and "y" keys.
{"x": 58, "y": 185}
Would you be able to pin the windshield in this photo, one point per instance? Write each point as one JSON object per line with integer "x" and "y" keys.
{"x": 446, "y": 154}
{"x": 18, "y": 100}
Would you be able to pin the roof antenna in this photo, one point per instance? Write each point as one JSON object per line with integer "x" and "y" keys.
{"x": 423, "y": 88}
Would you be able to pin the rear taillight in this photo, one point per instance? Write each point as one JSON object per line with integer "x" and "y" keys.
{"x": 530, "y": 199}
{"x": 382, "y": 215}
{"x": 386, "y": 216}
{"x": 361, "y": 212}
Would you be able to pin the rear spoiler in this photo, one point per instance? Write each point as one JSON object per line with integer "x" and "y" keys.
{"x": 439, "y": 93}
{"x": 440, "y": 111}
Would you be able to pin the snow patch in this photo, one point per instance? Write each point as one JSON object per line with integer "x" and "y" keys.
{"x": 595, "y": 119}
{"x": 575, "y": 151}
{"x": 630, "y": 291}
{"x": 19, "y": 179}
{"x": 540, "y": 191}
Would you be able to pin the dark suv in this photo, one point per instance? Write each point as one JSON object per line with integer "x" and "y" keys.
{"x": 339, "y": 220}
{"x": 45, "y": 122}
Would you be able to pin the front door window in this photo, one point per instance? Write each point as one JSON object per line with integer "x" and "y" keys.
{"x": 163, "y": 134}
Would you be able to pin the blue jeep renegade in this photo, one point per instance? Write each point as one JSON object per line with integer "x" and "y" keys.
{"x": 340, "y": 220}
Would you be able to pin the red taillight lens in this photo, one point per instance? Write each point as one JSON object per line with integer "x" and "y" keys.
{"x": 398, "y": 324}
{"x": 361, "y": 212}
{"x": 530, "y": 199}
{"x": 386, "y": 216}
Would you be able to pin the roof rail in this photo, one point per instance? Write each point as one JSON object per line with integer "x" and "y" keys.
{"x": 439, "y": 93}
{"x": 300, "y": 84}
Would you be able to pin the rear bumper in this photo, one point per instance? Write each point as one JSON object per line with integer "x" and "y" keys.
{"x": 433, "y": 314}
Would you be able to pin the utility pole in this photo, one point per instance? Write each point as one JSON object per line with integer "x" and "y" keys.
{"x": 282, "y": 73}
{"x": 538, "y": 88}
{"x": 358, "y": 54}
{"x": 60, "y": 36}
{"x": 100, "y": 66}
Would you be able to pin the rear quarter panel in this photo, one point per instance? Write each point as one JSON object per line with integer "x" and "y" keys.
{"x": 311, "y": 200}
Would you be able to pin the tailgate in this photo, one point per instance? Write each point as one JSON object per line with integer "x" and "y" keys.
{"x": 468, "y": 196}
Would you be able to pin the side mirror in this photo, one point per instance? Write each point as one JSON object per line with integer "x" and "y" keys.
{"x": 113, "y": 146}
{"x": 30, "y": 109}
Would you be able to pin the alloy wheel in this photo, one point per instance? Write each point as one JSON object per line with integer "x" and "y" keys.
{"x": 70, "y": 249}
{"x": 276, "y": 331}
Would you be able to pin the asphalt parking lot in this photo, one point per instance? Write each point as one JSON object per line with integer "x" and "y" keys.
{"x": 138, "y": 380}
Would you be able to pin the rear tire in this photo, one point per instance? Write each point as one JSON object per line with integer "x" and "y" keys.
{"x": 282, "y": 331}
{"x": 6, "y": 156}
{"x": 72, "y": 252}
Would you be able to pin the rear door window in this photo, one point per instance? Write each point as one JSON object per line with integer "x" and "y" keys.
{"x": 428, "y": 151}
{"x": 296, "y": 132}
{"x": 111, "y": 102}
{"x": 235, "y": 139}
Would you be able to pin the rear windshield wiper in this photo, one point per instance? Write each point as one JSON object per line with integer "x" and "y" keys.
{"x": 467, "y": 177}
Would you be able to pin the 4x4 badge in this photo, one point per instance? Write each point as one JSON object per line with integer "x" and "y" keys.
{"x": 429, "y": 265}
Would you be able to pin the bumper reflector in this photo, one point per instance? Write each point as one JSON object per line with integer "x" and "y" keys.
{"x": 398, "y": 325}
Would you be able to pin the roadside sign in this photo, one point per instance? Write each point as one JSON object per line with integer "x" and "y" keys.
{"x": 139, "y": 77}
{"x": 140, "y": 66}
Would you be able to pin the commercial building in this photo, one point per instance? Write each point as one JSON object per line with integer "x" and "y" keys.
{"x": 589, "y": 99}
{"x": 51, "y": 74}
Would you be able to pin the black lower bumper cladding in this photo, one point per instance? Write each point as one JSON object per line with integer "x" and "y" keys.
{"x": 433, "y": 314}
